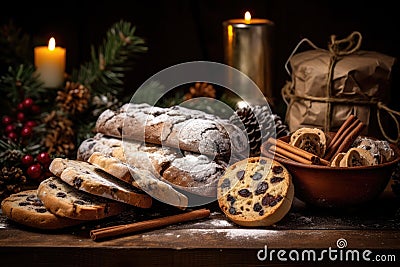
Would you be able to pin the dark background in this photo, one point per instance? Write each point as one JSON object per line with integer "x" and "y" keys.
{"x": 178, "y": 31}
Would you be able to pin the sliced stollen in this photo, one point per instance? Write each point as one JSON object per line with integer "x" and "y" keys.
{"x": 66, "y": 201}
{"x": 357, "y": 157}
{"x": 178, "y": 127}
{"x": 140, "y": 178}
{"x": 27, "y": 209}
{"x": 192, "y": 172}
{"x": 335, "y": 162}
{"x": 257, "y": 191}
{"x": 379, "y": 149}
{"x": 312, "y": 140}
{"x": 89, "y": 178}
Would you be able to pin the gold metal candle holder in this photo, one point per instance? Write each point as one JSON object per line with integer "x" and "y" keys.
{"x": 248, "y": 48}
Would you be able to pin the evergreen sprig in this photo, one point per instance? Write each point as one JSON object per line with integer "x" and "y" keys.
{"x": 21, "y": 82}
{"x": 106, "y": 69}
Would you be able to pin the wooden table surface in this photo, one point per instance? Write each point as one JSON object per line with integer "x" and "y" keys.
{"x": 214, "y": 241}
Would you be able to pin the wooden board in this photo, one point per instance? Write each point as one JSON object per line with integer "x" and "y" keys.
{"x": 213, "y": 241}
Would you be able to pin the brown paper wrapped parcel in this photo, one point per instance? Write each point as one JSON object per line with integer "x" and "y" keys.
{"x": 326, "y": 88}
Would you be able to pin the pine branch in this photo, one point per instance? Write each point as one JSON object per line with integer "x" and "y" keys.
{"x": 106, "y": 70}
{"x": 21, "y": 82}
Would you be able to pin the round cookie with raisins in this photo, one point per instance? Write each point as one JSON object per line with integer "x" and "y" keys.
{"x": 256, "y": 191}
{"x": 27, "y": 209}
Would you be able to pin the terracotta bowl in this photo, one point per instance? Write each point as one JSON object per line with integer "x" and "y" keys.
{"x": 336, "y": 187}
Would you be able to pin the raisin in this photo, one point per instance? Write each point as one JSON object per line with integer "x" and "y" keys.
{"x": 276, "y": 179}
{"x": 52, "y": 186}
{"x": 24, "y": 204}
{"x": 277, "y": 169}
{"x": 240, "y": 174}
{"x": 22, "y": 195}
{"x": 91, "y": 145}
{"x": 78, "y": 182}
{"x": 61, "y": 194}
{"x": 256, "y": 176}
{"x": 257, "y": 207}
{"x": 266, "y": 200}
{"x": 244, "y": 192}
{"x": 230, "y": 199}
{"x": 225, "y": 183}
{"x": 261, "y": 213}
{"x": 270, "y": 200}
{"x": 41, "y": 210}
{"x": 114, "y": 189}
{"x": 276, "y": 201}
{"x": 79, "y": 202}
{"x": 31, "y": 198}
{"x": 261, "y": 188}
{"x": 232, "y": 210}
{"x": 37, "y": 203}
{"x": 263, "y": 162}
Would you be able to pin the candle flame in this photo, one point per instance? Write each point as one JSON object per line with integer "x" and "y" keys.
{"x": 230, "y": 32}
{"x": 247, "y": 17}
{"x": 52, "y": 44}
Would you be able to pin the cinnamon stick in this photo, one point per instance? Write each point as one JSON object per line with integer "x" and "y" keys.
{"x": 342, "y": 128}
{"x": 290, "y": 155}
{"x": 294, "y": 152}
{"x": 113, "y": 231}
{"x": 340, "y": 139}
{"x": 349, "y": 139}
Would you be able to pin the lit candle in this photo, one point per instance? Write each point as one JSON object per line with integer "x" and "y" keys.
{"x": 50, "y": 64}
{"x": 248, "y": 48}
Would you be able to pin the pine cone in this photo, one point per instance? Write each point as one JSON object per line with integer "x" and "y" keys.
{"x": 12, "y": 180}
{"x": 103, "y": 102}
{"x": 259, "y": 124}
{"x": 74, "y": 99}
{"x": 200, "y": 89}
{"x": 60, "y": 137}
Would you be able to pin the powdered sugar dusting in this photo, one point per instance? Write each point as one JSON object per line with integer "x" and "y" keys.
{"x": 236, "y": 233}
{"x": 220, "y": 223}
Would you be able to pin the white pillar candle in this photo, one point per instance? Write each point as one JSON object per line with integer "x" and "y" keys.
{"x": 50, "y": 64}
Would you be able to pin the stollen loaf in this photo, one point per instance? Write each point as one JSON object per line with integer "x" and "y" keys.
{"x": 178, "y": 127}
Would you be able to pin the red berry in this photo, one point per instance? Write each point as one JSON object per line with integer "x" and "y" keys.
{"x": 34, "y": 171}
{"x": 27, "y": 159}
{"x": 44, "y": 158}
{"x": 20, "y": 106}
{"x": 26, "y": 131}
{"x": 28, "y": 102}
{"x": 35, "y": 109}
{"x": 9, "y": 128}
{"x": 13, "y": 136}
{"x": 6, "y": 120}
{"x": 20, "y": 116}
{"x": 30, "y": 124}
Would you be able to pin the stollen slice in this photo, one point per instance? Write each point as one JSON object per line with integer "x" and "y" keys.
{"x": 140, "y": 178}
{"x": 335, "y": 162}
{"x": 91, "y": 179}
{"x": 27, "y": 209}
{"x": 312, "y": 140}
{"x": 256, "y": 191}
{"x": 66, "y": 201}
{"x": 357, "y": 157}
